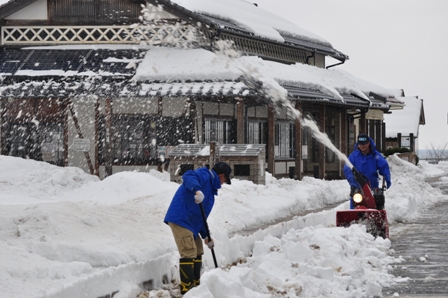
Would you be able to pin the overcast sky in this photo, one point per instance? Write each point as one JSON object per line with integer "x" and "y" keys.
{"x": 397, "y": 44}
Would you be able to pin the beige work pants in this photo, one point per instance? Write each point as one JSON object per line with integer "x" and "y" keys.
{"x": 188, "y": 247}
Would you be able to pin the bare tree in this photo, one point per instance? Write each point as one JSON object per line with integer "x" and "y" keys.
{"x": 437, "y": 153}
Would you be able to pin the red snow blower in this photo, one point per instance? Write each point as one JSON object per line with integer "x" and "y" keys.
{"x": 369, "y": 209}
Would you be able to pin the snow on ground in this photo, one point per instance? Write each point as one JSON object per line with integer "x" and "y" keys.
{"x": 65, "y": 233}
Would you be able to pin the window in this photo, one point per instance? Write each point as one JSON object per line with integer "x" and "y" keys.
{"x": 136, "y": 137}
{"x": 257, "y": 132}
{"x": 241, "y": 170}
{"x": 34, "y": 128}
{"x": 220, "y": 131}
{"x": 374, "y": 130}
{"x": 306, "y": 133}
{"x": 43, "y": 142}
{"x": 283, "y": 140}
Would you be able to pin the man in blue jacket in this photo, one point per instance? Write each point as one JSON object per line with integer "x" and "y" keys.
{"x": 369, "y": 162}
{"x": 184, "y": 216}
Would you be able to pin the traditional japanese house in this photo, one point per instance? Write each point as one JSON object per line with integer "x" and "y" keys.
{"x": 83, "y": 84}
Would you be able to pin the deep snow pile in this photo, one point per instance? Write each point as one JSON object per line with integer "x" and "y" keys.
{"x": 65, "y": 233}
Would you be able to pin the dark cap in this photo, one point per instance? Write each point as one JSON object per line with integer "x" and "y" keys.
{"x": 223, "y": 168}
{"x": 363, "y": 139}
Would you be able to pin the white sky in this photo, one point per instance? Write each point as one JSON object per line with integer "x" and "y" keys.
{"x": 395, "y": 44}
{"x": 65, "y": 233}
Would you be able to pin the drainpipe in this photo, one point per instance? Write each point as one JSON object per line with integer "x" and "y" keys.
{"x": 342, "y": 62}
{"x": 313, "y": 54}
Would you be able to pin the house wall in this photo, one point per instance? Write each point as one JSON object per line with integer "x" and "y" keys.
{"x": 319, "y": 61}
{"x": 134, "y": 105}
{"x": 375, "y": 115}
{"x": 84, "y": 109}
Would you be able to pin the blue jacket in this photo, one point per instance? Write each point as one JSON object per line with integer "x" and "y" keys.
{"x": 183, "y": 210}
{"x": 369, "y": 165}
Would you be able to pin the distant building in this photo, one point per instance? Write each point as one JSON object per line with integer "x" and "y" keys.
{"x": 402, "y": 126}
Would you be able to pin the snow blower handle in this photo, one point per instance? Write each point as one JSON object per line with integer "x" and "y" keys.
{"x": 208, "y": 233}
{"x": 360, "y": 178}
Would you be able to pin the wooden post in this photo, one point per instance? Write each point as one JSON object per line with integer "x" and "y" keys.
{"x": 3, "y": 149}
{"x": 109, "y": 138}
{"x": 212, "y": 154}
{"x": 193, "y": 115}
{"x": 65, "y": 112}
{"x": 298, "y": 145}
{"x": 240, "y": 123}
{"x": 378, "y": 136}
{"x": 362, "y": 123}
{"x": 78, "y": 129}
{"x": 271, "y": 139}
{"x": 97, "y": 123}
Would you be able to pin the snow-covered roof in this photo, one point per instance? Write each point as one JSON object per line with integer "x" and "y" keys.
{"x": 407, "y": 120}
{"x": 9, "y": 7}
{"x": 158, "y": 71}
{"x": 174, "y": 65}
{"x": 247, "y": 19}
{"x": 252, "y": 18}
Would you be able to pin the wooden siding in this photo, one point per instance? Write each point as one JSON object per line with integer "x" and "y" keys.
{"x": 94, "y": 11}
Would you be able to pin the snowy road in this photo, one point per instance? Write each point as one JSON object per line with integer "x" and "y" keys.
{"x": 422, "y": 244}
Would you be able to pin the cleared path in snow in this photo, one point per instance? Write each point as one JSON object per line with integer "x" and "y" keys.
{"x": 423, "y": 245}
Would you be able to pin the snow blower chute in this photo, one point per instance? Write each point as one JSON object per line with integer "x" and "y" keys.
{"x": 369, "y": 209}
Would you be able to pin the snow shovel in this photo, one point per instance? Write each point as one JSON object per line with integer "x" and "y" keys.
{"x": 208, "y": 233}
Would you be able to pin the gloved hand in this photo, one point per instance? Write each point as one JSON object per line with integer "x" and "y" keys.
{"x": 199, "y": 197}
{"x": 388, "y": 183}
{"x": 209, "y": 243}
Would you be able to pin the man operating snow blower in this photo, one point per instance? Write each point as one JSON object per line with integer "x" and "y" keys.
{"x": 187, "y": 214}
{"x": 369, "y": 162}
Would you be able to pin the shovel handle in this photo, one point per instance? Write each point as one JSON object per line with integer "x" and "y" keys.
{"x": 208, "y": 233}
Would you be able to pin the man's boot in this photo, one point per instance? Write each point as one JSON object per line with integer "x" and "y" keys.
{"x": 186, "y": 270}
{"x": 197, "y": 271}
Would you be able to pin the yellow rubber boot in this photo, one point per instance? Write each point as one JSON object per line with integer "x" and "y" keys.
{"x": 186, "y": 270}
{"x": 197, "y": 271}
